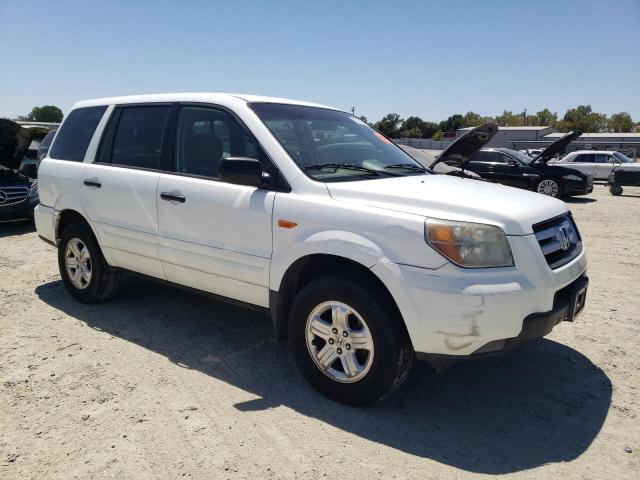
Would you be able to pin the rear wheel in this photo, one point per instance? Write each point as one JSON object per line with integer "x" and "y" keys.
{"x": 550, "y": 187}
{"x": 84, "y": 271}
{"x": 348, "y": 341}
{"x": 615, "y": 190}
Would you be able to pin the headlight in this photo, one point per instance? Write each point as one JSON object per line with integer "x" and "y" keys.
{"x": 470, "y": 245}
{"x": 573, "y": 177}
{"x": 34, "y": 191}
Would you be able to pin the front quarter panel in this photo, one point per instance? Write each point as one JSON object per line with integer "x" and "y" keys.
{"x": 367, "y": 235}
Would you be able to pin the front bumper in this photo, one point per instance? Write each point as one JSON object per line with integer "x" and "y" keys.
{"x": 568, "y": 304}
{"x": 20, "y": 210}
{"x": 458, "y": 312}
{"x": 573, "y": 187}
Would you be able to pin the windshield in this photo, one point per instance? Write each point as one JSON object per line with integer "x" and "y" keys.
{"x": 521, "y": 157}
{"x": 330, "y": 146}
{"x": 622, "y": 158}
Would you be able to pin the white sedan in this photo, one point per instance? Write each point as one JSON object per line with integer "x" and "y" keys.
{"x": 600, "y": 164}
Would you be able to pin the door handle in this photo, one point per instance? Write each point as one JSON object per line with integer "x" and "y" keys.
{"x": 92, "y": 182}
{"x": 172, "y": 197}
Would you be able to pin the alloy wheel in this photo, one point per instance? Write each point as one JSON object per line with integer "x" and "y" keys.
{"x": 77, "y": 261}
{"x": 339, "y": 342}
{"x": 548, "y": 187}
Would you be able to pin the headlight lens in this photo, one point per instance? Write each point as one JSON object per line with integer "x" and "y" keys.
{"x": 33, "y": 191}
{"x": 573, "y": 177}
{"x": 470, "y": 245}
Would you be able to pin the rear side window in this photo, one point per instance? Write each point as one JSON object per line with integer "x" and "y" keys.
{"x": 75, "y": 134}
{"x": 134, "y": 137}
{"x": 585, "y": 158}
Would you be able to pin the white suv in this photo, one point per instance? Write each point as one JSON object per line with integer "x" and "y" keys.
{"x": 360, "y": 255}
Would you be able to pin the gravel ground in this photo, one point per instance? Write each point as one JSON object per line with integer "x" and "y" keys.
{"x": 160, "y": 383}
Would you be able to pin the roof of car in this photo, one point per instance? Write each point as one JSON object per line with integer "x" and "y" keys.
{"x": 207, "y": 97}
{"x": 591, "y": 151}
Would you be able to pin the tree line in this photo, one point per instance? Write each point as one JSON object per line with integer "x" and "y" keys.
{"x": 581, "y": 118}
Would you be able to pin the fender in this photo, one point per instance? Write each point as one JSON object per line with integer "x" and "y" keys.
{"x": 339, "y": 243}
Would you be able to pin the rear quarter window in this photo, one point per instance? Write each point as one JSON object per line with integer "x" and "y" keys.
{"x": 75, "y": 134}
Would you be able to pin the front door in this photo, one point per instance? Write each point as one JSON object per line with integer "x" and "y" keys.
{"x": 119, "y": 190}
{"x": 214, "y": 236}
{"x": 604, "y": 165}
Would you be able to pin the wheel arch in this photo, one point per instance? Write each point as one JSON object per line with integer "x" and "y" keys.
{"x": 312, "y": 266}
{"x": 68, "y": 217}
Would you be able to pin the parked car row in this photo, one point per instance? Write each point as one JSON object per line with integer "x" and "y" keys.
{"x": 21, "y": 150}
{"x": 362, "y": 258}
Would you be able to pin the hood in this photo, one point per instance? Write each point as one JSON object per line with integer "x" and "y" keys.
{"x": 442, "y": 196}
{"x": 9, "y": 177}
{"x": 425, "y": 159}
{"x": 557, "y": 146}
{"x": 462, "y": 148}
{"x": 14, "y": 141}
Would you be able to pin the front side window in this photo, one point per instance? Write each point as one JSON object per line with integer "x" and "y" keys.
{"x": 603, "y": 158}
{"x": 75, "y": 134}
{"x": 134, "y": 137}
{"x": 330, "y": 145}
{"x": 206, "y": 136}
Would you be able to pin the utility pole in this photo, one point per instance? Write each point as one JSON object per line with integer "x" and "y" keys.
{"x": 353, "y": 110}
{"x": 525, "y": 117}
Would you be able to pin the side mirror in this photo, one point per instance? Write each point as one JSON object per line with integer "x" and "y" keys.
{"x": 30, "y": 170}
{"x": 241, "y": 171}
{"x": 513, "y": 163}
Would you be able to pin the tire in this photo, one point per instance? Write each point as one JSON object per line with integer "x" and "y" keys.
{"x": 550, "y": 187}
{"x": 100, "y": 281}
{"x": 380, "y": 370}
{"x": 615, "y": 190}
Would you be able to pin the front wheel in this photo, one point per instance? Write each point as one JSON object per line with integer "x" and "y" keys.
{"x": 550, "y": 187}
{"x": 348, "y": 341}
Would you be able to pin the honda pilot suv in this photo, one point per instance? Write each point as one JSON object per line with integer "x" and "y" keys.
{"x": 363, "y": 259}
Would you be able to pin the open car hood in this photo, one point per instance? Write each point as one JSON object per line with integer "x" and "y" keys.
{"x": 14, "y": 141}
{"x": 461, "y": 149}
{"x": 549, "y": 152}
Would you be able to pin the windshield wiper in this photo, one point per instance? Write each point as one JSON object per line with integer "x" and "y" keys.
{"x": 407, "y": 166}
{"x": 346, "y": 166}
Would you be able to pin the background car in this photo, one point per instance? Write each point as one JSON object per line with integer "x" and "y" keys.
{"x": 43, "y": 148}
{"x": 513, "y": 168}
{"x": 516, "y": 169}
{"x": 599, "y": 164}
{"x": 18, "y": 195}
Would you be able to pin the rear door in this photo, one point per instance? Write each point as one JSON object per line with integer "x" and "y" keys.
{"x": 119, "y": 187}
{"x": 583, "y": 162}
{"x": 215, "y": 236}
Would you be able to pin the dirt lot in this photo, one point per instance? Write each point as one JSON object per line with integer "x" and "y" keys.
{"x": 159, "y": 383}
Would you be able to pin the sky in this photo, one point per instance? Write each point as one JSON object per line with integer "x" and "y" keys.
{"x": 425, "y": 58}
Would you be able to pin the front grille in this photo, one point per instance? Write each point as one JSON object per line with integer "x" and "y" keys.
{"x": 12, "y": 195}
{"x": 559, "y": 240}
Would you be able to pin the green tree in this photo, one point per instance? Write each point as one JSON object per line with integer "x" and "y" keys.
{"x": 543, "y": 118}
{"x": 364, "y": 119}
{"x": 620, "y": 122}
{"x": 415, "y": 127}
{"x": 451, "y": 124}
{"x": 583, "y": 118}
{"x": 389, "y": 126}
{"x": 473, "y": 119}
{"x": 509, "y": 119}
{"x": 46, "y": 113}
